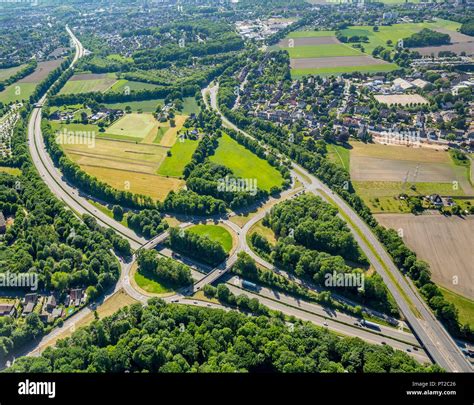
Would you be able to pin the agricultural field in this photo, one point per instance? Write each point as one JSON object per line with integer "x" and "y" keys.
{"x": 397, "y": 31}
{"x": 6, "y": 73}
{"x": 245, "y": 164}
{"x": 134, "y": 125}
{"x": 444, "y": 242}
{"x": 378, "y": 173}
{"x": 181, "y": 154}
{"x": 89, "y": 82}
{"x": 24, "y": 88}
{"x": 320, "y": 52}
{"x": 215, "y": 233}
{"x": 123, "y": 85}
{"x": 132, "y": 153}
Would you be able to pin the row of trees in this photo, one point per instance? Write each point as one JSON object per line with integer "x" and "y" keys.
{"x": 23, "y": 72}
{"x": 179, "y": 338}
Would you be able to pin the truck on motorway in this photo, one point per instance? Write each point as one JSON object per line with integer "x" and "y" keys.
{"x": 369, "y": 324}
{"x": 249, "y": 285}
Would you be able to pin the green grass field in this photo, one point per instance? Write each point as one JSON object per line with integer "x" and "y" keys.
{"x": 310, "y": 34}
{"x": 181, "y": 154}
{"x": 133, "y": 125}
{"x": 6, "y": 73}
{"x": 339, "y": 155}
{"x": 17, "y": 92}
{"x": 337, "y": 70}
{"x": 245, "y": 164}
{"x": 379, "y": 196}
{"x": 322, "y": 51}
{"x": 10, "y": 170}
{"x": 150, "y": 283}
{"x": 215, "y": 233}
{"x": 122, "y": 84}
{"x": 91, "y": 85}
{"x": 395, "y": 32}
{"x": 464, "y": 305}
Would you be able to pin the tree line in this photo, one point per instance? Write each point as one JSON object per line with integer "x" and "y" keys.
{"x": 162, "y": 338}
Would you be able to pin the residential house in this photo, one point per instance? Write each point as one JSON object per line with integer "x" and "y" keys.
{"x": 7, "y": 310}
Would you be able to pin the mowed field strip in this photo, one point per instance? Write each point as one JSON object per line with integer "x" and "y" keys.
{"x": 169, "y": 137}
{"x": 135, "y": 125}
{"x": 89, "y": 82}
{"x": 444, "y": 242}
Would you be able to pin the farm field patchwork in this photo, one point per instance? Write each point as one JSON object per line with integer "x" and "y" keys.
{"x": 24, "y": 88}
{"x": 443, "y": 242}
{"x": 320, "y": 52}
{"x": 245, "y": 164}
{"x": 396, "y": 31}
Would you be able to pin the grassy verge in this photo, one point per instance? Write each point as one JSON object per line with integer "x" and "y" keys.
{"x": 464, "y": 305}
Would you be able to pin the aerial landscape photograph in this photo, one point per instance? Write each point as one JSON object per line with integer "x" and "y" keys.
{"x": 236, "y": 201}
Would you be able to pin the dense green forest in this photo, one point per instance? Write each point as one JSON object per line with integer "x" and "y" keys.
{"x": 177, "y": 338}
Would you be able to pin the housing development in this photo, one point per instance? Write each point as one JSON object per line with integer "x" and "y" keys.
{"x": 237, "y": 186}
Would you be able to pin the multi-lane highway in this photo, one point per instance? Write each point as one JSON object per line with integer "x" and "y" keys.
{"x": 431, "y": 333}
{"x": 309, "y": 311}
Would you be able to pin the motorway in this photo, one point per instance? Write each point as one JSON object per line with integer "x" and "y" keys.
{"x": 79, "y": 204}
{"x": 431, "y": 333}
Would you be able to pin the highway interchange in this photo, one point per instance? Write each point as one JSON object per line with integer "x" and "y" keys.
{"x": 438, "y": 345}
